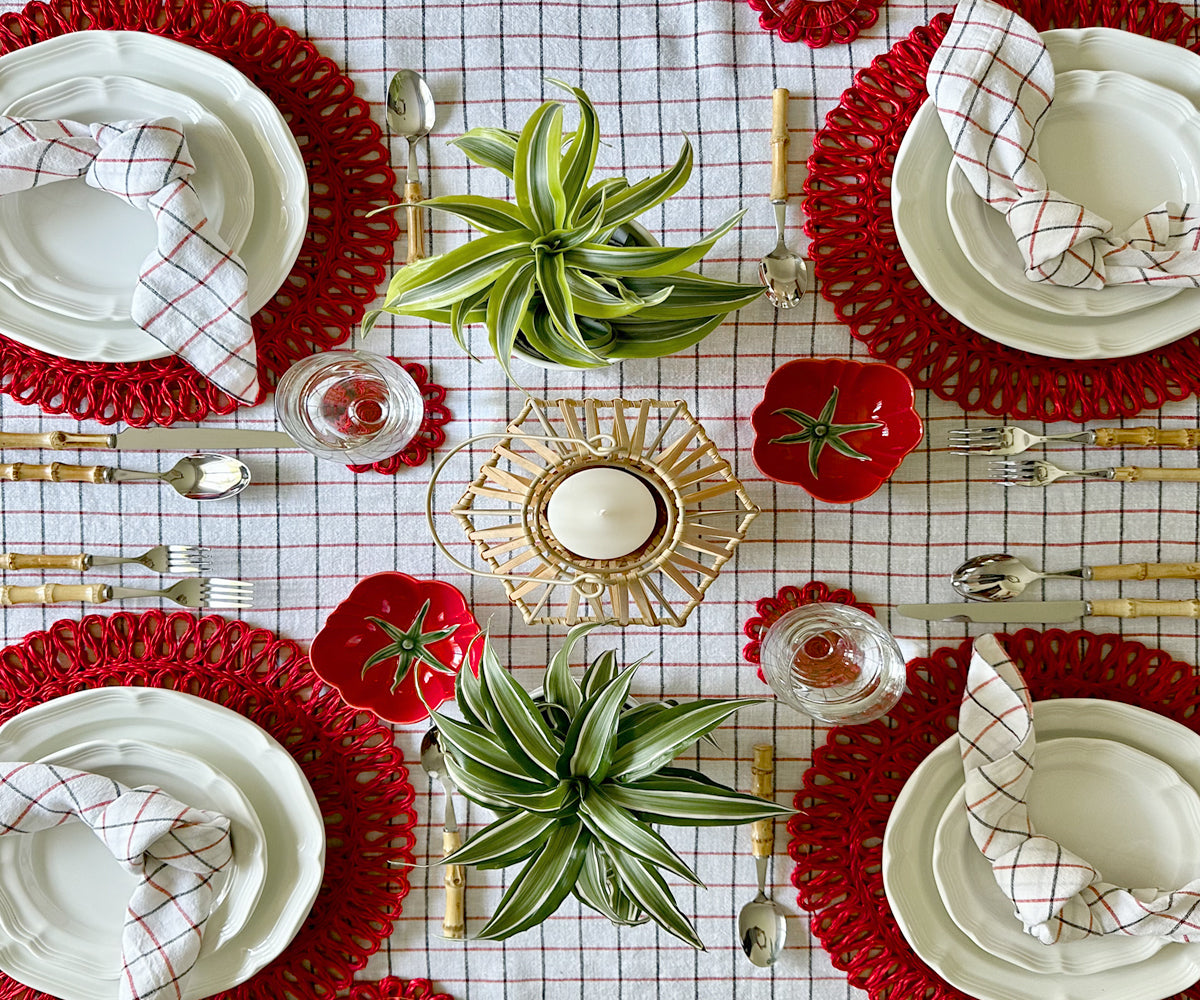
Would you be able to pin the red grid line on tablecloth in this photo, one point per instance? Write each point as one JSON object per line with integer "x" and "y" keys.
{"x": 343, "y": 259}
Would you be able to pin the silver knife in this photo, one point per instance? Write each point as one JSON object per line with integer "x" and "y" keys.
{"x": 1049, "y": 611}
{"x": 152, "y": 439}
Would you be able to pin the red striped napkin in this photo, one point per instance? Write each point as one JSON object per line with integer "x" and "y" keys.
{"x": 191, "y": 293}
{"x": 1058, "y": 896}
{"x": 992, "y": 82}
{"x": 175, "y": 850}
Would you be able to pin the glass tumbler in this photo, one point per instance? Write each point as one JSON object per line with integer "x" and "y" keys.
{"x": 349, "y": 406}
{"x": 834, "y": 663}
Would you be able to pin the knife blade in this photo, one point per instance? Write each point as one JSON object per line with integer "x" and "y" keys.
{"x": 1050, "y": 611}
{"x": 153, "y": 439}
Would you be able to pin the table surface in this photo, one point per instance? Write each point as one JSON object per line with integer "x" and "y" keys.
{"x": 306, "y": 531}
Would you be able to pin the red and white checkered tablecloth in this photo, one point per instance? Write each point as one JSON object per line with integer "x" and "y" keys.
{"x": 655, "y": 68}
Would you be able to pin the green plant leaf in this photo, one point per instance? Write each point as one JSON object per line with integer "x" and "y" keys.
{"x": 593, "y": 888}
{"x": 580, "y": 157}
{"x": 595, "y": 300}
{"x": 659, "y": 339}
{"x": 459, "y": 273}
{"x": 693, "y": 296}
{"x": 471, "y": 309}
{"x": 645, "y": 195}
{"x": 470, "y": 742}
{"x": 503, "y": 837}
{"x": 600, "y": 673}
{"x": 613, "y": 824}
{"x": 507, "y": 305}
{"x": 537, "y": 170}
{"x": 589, "y": 745}
{"x": 650, "y": 889}
{"x": 670, "y": 733}
{"x": 560, "y": 686}
{"x": 489, "y": 215}
{"x": 646, "y": 262}
{"x": 543, "y": 337}
{"x": 517, "y": 721}
{"x": 542, "y": 885}
{"x": 678, "y": 801}
{"x": 467, "y": 692}
{"x": 489, "y": 147}
{"x": 484, "y": 784}
{"x": 586, "y": 231}
{"x": 606, "y": 188}
{"x": 556, "y": 297}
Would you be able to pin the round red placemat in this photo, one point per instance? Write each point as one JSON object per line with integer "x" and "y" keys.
{"x": 429, "y": 437}
{"x": 344, "y": 257}
{"x": 355, "y": 771}
{"x": 837, "y": 835}
{"x": 816, "y": 22}
{"x": 864, "y": 274}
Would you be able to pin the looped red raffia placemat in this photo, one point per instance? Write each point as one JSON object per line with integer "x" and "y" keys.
{"x": 816, "y": 22}
{"x": 344, "y": 258}
{"x": 864, "y": 274}
{"x": 837, "y": 834}
{"x": 355, "y": 771}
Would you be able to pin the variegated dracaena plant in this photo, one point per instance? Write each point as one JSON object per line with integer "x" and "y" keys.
{"x": 546, "y": 274}
{"x": 579, "y": 778}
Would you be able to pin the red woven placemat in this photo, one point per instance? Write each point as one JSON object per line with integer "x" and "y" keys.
{"x": 816, "y": 22}
{"x": 344, "y": 256}
{"x": 355, "y": 771}
{"x": 391, "y": 988}
{"x": 837, "y": 834}
{"x": 864, "y": 274}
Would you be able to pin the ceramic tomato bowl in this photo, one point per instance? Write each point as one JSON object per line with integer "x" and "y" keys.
{"x": 837, "y": 428}
{"x": 391, "y": 635}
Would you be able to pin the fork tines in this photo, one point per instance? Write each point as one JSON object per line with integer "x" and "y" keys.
{"x": 965, "y": 440}
{"x": 187, "y": 559}
{"x": 1010, "y": 472}
{"x": 218, "y": 593}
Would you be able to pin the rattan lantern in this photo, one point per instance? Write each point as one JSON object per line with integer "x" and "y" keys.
{"x": 700, "y": 511}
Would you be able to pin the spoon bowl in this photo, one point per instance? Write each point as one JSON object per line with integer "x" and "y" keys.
{"x": 762, "y": 929}
{"x": 1001, "y": 577}
{"x": 203, "y": 476}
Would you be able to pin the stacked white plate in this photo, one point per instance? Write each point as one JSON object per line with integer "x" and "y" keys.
{"x": 1122, "y": 135}
{"x": 62, "y": 894}
{"x": 1115, "y": 784}
{"x": 70, "y": 255}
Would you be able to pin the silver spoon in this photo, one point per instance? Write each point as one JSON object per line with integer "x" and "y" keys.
{"x": 783, "y": 272}
{"x": 1000, "y": 577}
{"x": 411, "y": 113}
{"x": 762, "y": 926}
{"x": 197, "y": 477}
{"x": 434, "y": 764}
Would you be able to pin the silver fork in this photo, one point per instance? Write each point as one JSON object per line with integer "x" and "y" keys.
{"x": 198, "y": 592}
{"x": 1036, "y": 472}
{"x": 174, "y": 559}
{"x": 1006, "y": 440}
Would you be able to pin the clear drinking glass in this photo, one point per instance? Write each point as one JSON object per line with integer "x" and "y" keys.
{"x": 349, "y": 406}
{"x": 834, "y": 663}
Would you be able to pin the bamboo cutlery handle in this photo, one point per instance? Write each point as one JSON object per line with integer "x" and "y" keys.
{"x": 779, "y": 144}
{"x": 762, "y": 833}
{"x": 455, "y": 881}
{"x": 1123, "y": 607}
{"x": 22, "y": 560}
{"x": 1145, "y": 437}
{"x": 55, "y": 472}
{"x": 416, "y": 221}
{"x": 56, "y": 440}
{"x": 54, "y": 593}
{"x": 1137, "y": 474}
{"x": 1147, "y": 571}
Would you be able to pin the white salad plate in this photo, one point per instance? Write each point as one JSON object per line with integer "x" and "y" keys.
{"x": 1149, "y": 838}
{"x": 1147, "y": 138}
{"x": 67, "y": 875}
{"x": 78, "y": 251}
{"x": 929, "y": 245}
{"x": 280, "y": 182}
{"x": 264, "y": 772}
{"x": 945, "y": 947}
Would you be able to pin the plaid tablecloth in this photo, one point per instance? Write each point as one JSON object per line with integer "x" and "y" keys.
{"x": 305, "y": 531}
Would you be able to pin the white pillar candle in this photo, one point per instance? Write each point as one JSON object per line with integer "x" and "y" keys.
{"x": 602, "y": 513}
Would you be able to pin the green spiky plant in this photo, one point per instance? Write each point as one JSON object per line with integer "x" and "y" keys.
{"x": 579, "y": 777}
{"x": 545, "y": 277}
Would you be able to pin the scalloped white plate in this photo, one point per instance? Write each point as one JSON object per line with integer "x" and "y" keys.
{"x": 77, "y": 251}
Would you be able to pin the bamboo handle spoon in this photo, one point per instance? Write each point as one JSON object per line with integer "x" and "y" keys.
{"x": 453, "y": 878}
{"x": 762, "y": 927}
{"x": 411, "y": 113}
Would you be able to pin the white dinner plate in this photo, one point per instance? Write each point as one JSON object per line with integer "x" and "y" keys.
{"x": 1147, "y": 137}
{"x": 265, "y": 773}
{"x": 67, "y": 875}
{"x": 1150, "y": 837}
{"x": 923, "y": 229}
{"x": 922, "y": 917}
{"x": 78, "y": 251}
{"x": 280, "y": 181}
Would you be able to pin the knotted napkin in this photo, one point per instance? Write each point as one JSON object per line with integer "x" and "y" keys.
{"x": 175, "y": 850}
{"x": 992, "y": 82}
{"x": 1057, "y": 895}
{"x": 191, "y": 291}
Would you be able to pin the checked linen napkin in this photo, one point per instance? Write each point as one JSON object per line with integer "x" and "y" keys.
{"x": 175, "y": 849}
{"x": 1057, "y": 895}
{"x": 992, "y": 82}
{"x": 191, "y": 291}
